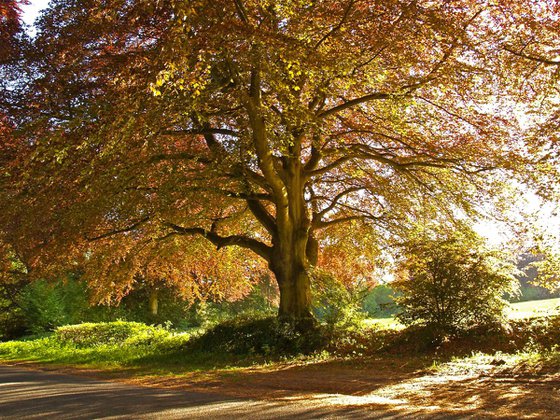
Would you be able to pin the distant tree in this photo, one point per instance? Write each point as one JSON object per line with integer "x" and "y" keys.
{"x": 450, "y": 282}
{"x": 380, "y": 302}
{"x": 278, "y": 127}
{"x": 13, "y": 279}
{"x": 530, "y": 278}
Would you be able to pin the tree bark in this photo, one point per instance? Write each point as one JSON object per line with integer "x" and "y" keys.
{"x": 294, "y": 252}
{"x": 295, "y": 291}
{"x": 153, "y": 301}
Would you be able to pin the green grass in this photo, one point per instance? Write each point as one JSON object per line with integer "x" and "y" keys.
{"x": 50, "y": 349}
{"x": 154, "y": 350}
{"x": 534, "y": 308}
{"x": 516, "y": 311}
{"x": 145, "y": 350}
{"x": 388, "y": 323}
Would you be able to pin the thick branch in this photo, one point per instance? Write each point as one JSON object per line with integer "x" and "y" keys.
{"x": 533, "y": 57}
{"x": 262, "y": 215}
{"x": 117, "y": 231}
{"x": 260, "y": 140}
{"x": 335, "y": 201}
{"x": 330, "y": 166}
{"x": 202, "y": 131}
{"x": 257, "y": 247}
{"x": 313, "y": 160}
{"x": 241, "y": 11}
{"x": 364, "y": 152}
{"x": 322, "y": 225}
{"x": 178, "y": 156}
{"x": 338, "y": 26}
{"x": 357, "y": 101}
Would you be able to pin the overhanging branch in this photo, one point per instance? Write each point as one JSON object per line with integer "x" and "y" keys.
{"x": 257, "y": 247}
{"x": 357, "y": 101}
{"x": 117, "y": 231}
{"x": 202, "y": 131}
{"x": 533, "y": 57}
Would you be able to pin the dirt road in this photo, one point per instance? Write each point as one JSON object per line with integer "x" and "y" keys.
{"x": 325, "y": 391}
{"x": 27, "y": 393}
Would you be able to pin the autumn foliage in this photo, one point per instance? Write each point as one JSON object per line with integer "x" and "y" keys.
{"x": 300, "y": 133}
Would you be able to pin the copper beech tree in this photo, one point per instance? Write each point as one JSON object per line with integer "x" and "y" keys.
{"x": 12, "y": 150}
{"x": 281, "y": 128}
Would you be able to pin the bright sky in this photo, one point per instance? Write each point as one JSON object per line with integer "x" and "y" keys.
{"x": 31, "y": 11}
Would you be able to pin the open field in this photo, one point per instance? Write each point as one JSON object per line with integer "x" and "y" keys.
{"x": 534, "y": 308}
{"x": 518, "y": 310}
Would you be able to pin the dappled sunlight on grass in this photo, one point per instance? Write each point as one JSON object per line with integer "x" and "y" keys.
{"x": 507, "y": 371}
{"x": 389, "y": 323}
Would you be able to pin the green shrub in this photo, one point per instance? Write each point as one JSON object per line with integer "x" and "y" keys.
{"x": 47, "y": 305}
{"x": 449, "y": 282}
{"x": 264, "y": 336}
{"x": 335, "y": 304}
{"x": 380, "y": 302}
{"x": 543, "y": 332}
{"x": 12, "y": 319}
{"x": 118, "y": 332}
{"x": 12, "y": 322}
{"x": 358, "y": 342}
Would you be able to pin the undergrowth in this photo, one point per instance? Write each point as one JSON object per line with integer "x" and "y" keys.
{"x": 242, "y": 342}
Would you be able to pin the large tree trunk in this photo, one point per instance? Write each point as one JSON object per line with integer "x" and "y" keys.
{"x": 295, "y": 291}
{"x": 291, "y": 224}
{"x": 295, "y": 294}
{"x": 294, "y": 253}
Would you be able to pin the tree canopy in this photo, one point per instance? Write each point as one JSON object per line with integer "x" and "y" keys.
{"x": 279, "y": 127}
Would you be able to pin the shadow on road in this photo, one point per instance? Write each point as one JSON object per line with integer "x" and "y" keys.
{"x": 33, "y": 394}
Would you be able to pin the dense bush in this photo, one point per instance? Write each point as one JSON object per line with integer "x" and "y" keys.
{"x": 47, "y": 305}
{"x": 543, "y": 332}
{"x": 335, "y": 304}
{"x": 102, "y": 333}
{"x": 12, "y": 322}
{"x": 12, "y": 319}
{"x": 264, "y": 336}
{"x": 449, "y": 282}
{"x": 13, "y": 278}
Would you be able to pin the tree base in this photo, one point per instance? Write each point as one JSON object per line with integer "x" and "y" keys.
{"x": 300, "y": 324}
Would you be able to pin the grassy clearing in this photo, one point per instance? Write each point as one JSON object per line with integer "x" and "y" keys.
{"x": 516, "y": 311}
{"x": 144, "y": 350}
{"x": 388, "y": 323}
{"x": 51, "y": 350}
{"x": 534, "y": 308}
